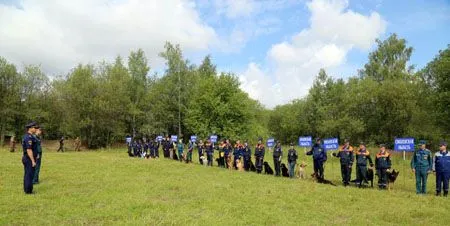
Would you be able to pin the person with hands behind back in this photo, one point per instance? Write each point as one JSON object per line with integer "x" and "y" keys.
{"x": 29, "y": 157}
{"x": 421, "y": 164}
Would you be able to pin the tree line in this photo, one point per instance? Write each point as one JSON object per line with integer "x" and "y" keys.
{"x": 103, "y": 103}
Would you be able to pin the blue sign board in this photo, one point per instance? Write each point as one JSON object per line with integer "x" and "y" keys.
{"x": 330, "y": 144}
{"x": 193, "y": 138}
{"x": 159, "y": 138}
{"x": 270, "y": 142}
{"x": 305, "y": 141}
{"x": 213, "y": 138}
{"x": 404, "y": 144}
{"x": 174, "y": 138}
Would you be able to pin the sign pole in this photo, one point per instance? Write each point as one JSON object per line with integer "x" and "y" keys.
{"x": 404, "y": 155}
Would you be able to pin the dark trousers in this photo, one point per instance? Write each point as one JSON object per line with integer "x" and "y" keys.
{"x": 157, "y": 153}
{"x": 235, "y": 158}
{"x": 152, "y": 153}
{"x": 210, "y": 159}
{"x": 259, "y": 164}
{"x": 442, "y": 181}
{"x": 28, "y": 175}
{"x": 277, "y": 165}
{"x": 61, "y": 148}
{"x": 37, "y": 169}
{"x": 247, "y": 163}
{"x": 346, "y": 173}
{"x": 382, "y": 178}
{"x": 361, "y": 174}
{"x": 318, "y": 169}
{"x": 166, "y": 153}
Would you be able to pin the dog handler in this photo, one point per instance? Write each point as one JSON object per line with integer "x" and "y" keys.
{"x": 382, "y": 164}
{"x": 319, "y": 157}
{"x": 362, "y": 156}
{"x": 292, "y": 160}
{"x": 421, "y": 164}
{"x": 345, "y": 155}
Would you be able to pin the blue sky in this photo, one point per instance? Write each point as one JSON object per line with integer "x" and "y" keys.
{"x": 275, "y": 47}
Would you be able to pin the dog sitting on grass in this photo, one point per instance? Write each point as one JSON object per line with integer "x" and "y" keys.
{"x": 301, "y": 170}
{"x": 229, "y": 162}
{"x": 267, "y": 169}
{"x": 239, "y": 165}
{"x": 284, "y": 170}
{"x": 204, "y": 160}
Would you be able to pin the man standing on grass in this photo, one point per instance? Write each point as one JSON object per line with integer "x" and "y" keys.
{"x": 29, "y": 157}
{"x": 383, "y": 165}
{"x": 201, "y": 151}
{"x": 362, "y": 156}
{"x": 166, "y": 147}
{"x": 247, "y": 155}
{"x": 277, "y": 154}
{"x": 12, "y": 144}
{"x": 180, "y": 148}
{"x": 292, "y": 160}
{"x": 421, "y": 165}
{"x": 189, "y": 152}
{"x": 345, "y": 155}
{"x": 319, "y": 158}
{"x": 226, "y": 151}
{"x": 259, "y": 156}
{"x": 39, "y": 155}
{"x": 210, "y": 152}
{"x": 441, "y": 166}
{"x": 61, "y": 144}
{"x": 237, "y": 153}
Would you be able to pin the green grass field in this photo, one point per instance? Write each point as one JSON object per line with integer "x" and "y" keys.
{"x": 107, "y": 187}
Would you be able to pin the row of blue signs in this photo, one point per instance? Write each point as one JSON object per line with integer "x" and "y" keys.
{"x": 400, "y": 144}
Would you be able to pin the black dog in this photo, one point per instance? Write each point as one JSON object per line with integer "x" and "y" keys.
{"x": 175, "y": 156}
{"x": 369, "y": 178}
{"x": 267, "y": 169}
{"x": 252, "y": 166}
{"x": 284, "y": 170}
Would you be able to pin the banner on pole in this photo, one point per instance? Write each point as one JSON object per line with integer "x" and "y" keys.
{"x": 330, "y": 144}
{"x": 404, "y": 144}
{"x": 213, "y": 138}
{"x": 193, "y": 138}
{"x": 159, "y": 138}
{"x": 305, "y": 141}
{"x": 270, "y": 142}
{"x": 174, "y": 138}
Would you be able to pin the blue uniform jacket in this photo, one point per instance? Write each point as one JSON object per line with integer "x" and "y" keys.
{"x": 441, "y": 162}
{"x": 318, "y": 153}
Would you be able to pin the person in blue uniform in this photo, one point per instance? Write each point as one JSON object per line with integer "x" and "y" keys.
{"x": 201, "y": 151}
{"x": 29, "y": 157}
{"x": 210, "y": 152}
{"x": 237, "y": 152}
{"x": 319, "y": 158}
{"x": 277, "y": 155}
{"x": 441, "y": 166}
{"x": 39, "y": 155}
{"x": 259, "y": 156}
{"x": 227, "y": 151}
{"x": 247, "y": 155}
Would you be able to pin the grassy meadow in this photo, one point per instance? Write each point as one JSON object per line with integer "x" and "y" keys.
{"x": 107, "y": 187}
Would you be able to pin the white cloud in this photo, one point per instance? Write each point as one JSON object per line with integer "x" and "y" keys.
{"x": 334, "y": 31}
{"x": 60, "y": 34}
{"x": 236, "y": 8}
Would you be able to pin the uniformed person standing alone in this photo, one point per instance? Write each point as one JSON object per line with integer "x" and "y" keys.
{"x": 29, "y": 157}
{"x": 39, "y": 155}
{"x": 346, "y": 158}
{"x": 259, "y": 156}
{"x": 421, "y": 165}
{"x": 277, "y": 154}
{"x": 292, "y": 160}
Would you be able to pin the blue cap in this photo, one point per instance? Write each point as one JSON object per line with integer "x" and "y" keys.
{"x": 422, "y": 142}
{"x": 30, "y": 125}
{"x": 443, "y": 143}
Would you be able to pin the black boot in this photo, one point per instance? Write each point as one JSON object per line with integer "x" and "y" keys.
{"x": 445, "y": 193}
{"x": 438, "y": 193}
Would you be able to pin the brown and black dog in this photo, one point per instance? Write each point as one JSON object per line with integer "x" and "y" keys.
{"x": 392, "y": 177}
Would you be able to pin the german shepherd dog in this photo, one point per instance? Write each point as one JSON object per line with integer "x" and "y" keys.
{"x": 391, "y": 178}
{"x": 252, "y": 166}
{"x": 267, "y": 169}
